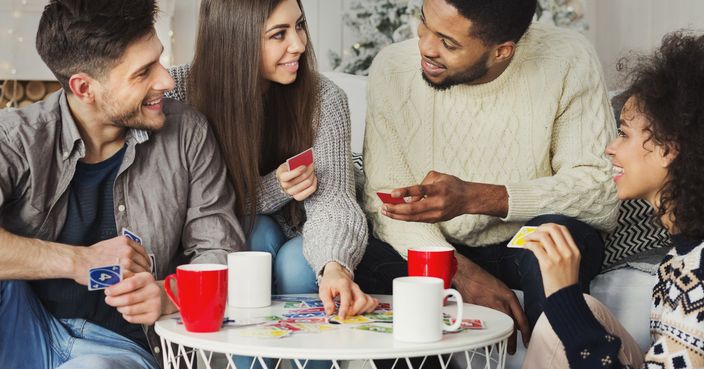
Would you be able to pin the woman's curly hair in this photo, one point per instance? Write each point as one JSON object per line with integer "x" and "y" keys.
{"x": 668, "y": 87}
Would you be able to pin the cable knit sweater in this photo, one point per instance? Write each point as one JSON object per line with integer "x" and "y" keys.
{"x": 539, "y": 129}
{"x": 335, "y": 227}
{"x": 676, "y": 318}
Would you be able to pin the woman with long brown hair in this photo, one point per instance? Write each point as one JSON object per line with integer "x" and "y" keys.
{"x": 254, "y": 77}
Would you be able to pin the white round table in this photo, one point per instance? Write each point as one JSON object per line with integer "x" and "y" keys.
{"x": 180, "y": 347}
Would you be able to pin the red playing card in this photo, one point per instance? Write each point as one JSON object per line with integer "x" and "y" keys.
{"x": 387, "y": 199}
{"x": 473, "y": 324}
{"x": 304, "y": 158}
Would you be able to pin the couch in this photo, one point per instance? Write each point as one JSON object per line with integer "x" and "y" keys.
{"x": 623, "y": 288}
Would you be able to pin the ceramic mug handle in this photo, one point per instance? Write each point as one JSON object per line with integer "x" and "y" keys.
{"x": 458, "y": 321}
{"x": 169, "y": 292}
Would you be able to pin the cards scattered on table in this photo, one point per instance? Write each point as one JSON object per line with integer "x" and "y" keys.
{"x": 304, "y": 158}
{"x": 103, "y": 277}
{"x": 375, "y": 328}
{"x": 356, "y": 319}
{"x": 386, "y": 198}
{"x": 467, "y": 323}
{"x": 519, "y": 240}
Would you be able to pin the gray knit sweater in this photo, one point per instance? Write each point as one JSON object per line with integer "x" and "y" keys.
{"x": 335, "y": 228}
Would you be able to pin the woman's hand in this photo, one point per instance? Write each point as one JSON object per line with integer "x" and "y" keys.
{"x": 557, "y": 254}
{"x": 299, "y": 183}
{"x": 337, "y": 281}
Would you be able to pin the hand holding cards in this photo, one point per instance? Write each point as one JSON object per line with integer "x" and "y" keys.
{"x": 386, "y": 198}
{"x": 519, "y": 240}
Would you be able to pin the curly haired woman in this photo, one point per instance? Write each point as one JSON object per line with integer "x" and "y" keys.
{"x": 658, "y": 156}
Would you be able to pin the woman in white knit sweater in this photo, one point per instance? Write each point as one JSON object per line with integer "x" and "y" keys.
{"x": 254, "y": 77}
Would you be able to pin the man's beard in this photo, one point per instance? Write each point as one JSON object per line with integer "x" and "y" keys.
{"x": 471, "y": 74}
{"x": 126, "y": 119}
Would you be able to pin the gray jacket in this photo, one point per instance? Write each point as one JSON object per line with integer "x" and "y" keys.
{"x": 171, "y": 189}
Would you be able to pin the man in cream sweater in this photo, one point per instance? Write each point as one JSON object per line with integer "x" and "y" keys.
{"x": 487, "y": 123}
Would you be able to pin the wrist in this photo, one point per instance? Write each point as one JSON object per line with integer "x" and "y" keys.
{"x": 486, "y": 199}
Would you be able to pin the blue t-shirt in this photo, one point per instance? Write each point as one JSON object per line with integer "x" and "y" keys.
{"x": 90, "y": 219}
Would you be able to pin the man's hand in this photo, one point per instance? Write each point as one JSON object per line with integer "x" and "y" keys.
{"x": 558, "y": 256}
{"x": 299, "y": 183}
{"x": 337, "y": 281}
{"x": 131, "y": 256}
{"x": 479, "y": 287}
{"x": 138, "y": 298}
{"x": 441, "y": 197}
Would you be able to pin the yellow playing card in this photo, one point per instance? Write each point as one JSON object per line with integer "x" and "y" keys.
{"x": 519, "y": 240}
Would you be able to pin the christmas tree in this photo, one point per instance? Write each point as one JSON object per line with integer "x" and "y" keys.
{"x": 378, "y": 23}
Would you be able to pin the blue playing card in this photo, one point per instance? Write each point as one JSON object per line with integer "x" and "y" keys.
{"x": 131, "y": 235}
{"x": 103, "y": 277}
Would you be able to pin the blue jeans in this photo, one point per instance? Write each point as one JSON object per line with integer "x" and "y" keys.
{"x": 30, "y": 337}
{"x": 291, "y": 274}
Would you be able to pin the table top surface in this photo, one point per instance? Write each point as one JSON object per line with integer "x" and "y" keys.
{"x": 341, "y": 343}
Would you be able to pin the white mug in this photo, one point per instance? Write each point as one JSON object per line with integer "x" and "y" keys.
{"x": 249, "y": 279}
{"x": 417, "y": 304}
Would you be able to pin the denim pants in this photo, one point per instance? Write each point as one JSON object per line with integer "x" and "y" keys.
{"x": 517, "y": 268}
{"x": 32, "y": 338}
{"x": 291, "y": 273}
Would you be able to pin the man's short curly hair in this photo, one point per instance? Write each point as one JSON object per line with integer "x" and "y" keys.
{"x": 668, "y": 88}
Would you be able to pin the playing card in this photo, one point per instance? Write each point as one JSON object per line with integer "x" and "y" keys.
{"x": 304, "y": 158}
{"x": 357, "y": 319}
{"x": 316, "y": 314}
{"x": 472, "y": 324}
{"x": 467, "y": 323}
{"x": 293, "y": 298}
{"x": 314, "y": 303}
{"x": 382, "y": 316}
{"x": 295, "y": 305}
{"x": 103, "y": 277}
{"x": 314, "y": 320}
{"x": 519, "y": 239}
{"x": 374, "y": 328}
{"x": 264, "y": 332}
{"x": 307, "y": 311}
{"x": 131, "y": 235}
{"x": 387, "y": 199}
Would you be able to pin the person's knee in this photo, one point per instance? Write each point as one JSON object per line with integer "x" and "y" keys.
{"x": 293, "y": 273}
{"x": 551, "y": 218}
{"x": 266, "y": 236}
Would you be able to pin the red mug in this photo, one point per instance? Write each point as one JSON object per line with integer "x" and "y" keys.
{"x": 433, "y": 261}
{"x": 202, "y": 295}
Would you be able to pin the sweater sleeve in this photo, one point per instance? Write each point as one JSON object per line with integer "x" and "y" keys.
{"x": 587, "y": 343}
{"x": 386, "y": 167}
{"x": 180, "y": 74}
{"x": 581, "y": 186}
{"x": 271, "y": 196}
{"x": 335, "y": 227}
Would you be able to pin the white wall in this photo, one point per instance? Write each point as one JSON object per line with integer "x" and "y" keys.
{"x": 618, "y": 26}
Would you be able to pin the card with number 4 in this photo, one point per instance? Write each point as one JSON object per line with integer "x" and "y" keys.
{"x": 304, "y": 158}
{"x": 519, "y": 240}
{"x": 103, "y": 277}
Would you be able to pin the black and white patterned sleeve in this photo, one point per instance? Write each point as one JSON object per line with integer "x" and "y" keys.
{"x": 180, "y": 75}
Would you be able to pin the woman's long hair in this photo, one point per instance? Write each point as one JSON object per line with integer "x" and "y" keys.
{"x": 258, "y": 127}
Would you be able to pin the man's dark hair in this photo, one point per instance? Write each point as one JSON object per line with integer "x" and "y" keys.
{"x": 91, "y": 36}
{"x": 667, "y": 87}
{"x": 497, "y": 21}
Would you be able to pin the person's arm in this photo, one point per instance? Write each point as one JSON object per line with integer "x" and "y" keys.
{"x": 587, "y": 343}
{"x": 581, "y": 186}
{"x": 180, "y": 74}
{"x": 211, "y": 229}
{"x": 271, "y": 197}
{"x": 335, "y": 232}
